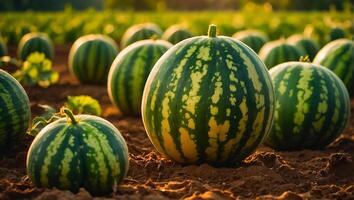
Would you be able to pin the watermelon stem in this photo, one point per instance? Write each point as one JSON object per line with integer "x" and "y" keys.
{"x": 69, "y": 114}
{"x": 212, "y": 30}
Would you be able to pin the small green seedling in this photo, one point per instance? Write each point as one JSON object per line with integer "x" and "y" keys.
{"x": 37, "y": 70}
{"x": 84, "y": 105}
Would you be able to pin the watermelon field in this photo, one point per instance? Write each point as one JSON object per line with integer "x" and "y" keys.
{"x": 177, "y": 105}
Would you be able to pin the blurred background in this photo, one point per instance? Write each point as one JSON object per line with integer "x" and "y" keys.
{"x": 66, "y": 20}
{"x": 57, "y": 5}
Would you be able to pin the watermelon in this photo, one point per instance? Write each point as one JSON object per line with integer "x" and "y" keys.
{"x": 81, "y": 151}
{"x": 91, "y": 57}
{"x": 208, "y": 99}
{"x": 338, "y": 56}
{"x": 336, "y": 33}
{"x": 15, "y": 111}
{"x": 253, "y": 38}
{"x": 140, "y": 32}
{"x": 175, "y": 34}
{"x": 276, "y": 52}
{"x": 3, "y": 48}
{"x": 312, "y": 106}
{"x": 308, "y": 46}
{"x": 129, "y": 72}
{"x": 35, "y": 42}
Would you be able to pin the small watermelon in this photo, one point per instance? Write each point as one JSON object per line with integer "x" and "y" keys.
{"x": 338, "y": 56}
{"x": 90, "y": 58}
{"x": 129, "y": 72}
{"x": 35, "y": 42}
{"x": 82, "y": 151}
{"x": 175, "y": 34}
{"x": 15, "y": 111}
{"x": 312, "y": 106}
{"x": 276, "y": 52}
{"x": 140, "y": 32}
{"x": 208, "y": 99}
{"x": 308, "y": 46}
{"x": 253, "y": 38}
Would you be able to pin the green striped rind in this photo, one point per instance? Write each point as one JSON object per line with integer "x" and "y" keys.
{"x": 252, "y": 38}
{"x": 338, "y": 56}
{"x": 3, "y": 48}
{"x": 129, "y": 72}
{"x": 90, "y": 58}
{"x": 336, "y": 33}
{"x": 140, "y": 32}
{"x": 276, "y": 52}
{"x": 90, "y": 154}
{"x": 175, "y": 34}
{"x": 14, "y": 111}
{"x": 35, "y": 42}
{"x": 312, "y": 107}
{"x": 208, "y": 99}
{"x": 307, "y": 45}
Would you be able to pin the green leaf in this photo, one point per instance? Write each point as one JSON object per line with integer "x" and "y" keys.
{"x": 83, "y": 105}
{"x": 49, "y": 115}
{"x": 37, "y": 70}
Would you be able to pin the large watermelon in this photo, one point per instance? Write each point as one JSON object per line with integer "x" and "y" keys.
{"x": 338, "y": 56}
{"x": 175, "y": 34}
{"x": 35, "y": 42}
{"x": 15, "y": 111}
{"x": 3, "y": 48}
{"x": 276, "y": 52}
{"x": 253, "y": 38}
{"x": 85, "y": 151}
{"x": 140, "y": 32}
{"x": 312, "y": 106}
{"x": 129, "y": 71}
{"x": 208, "y": 99}
{"x": 308, "y": 46}
{"x": 90, "y": 58}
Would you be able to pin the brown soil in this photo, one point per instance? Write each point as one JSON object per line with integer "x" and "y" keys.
{"x": 266, "y": 174}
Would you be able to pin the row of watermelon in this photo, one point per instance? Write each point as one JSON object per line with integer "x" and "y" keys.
{"x": 95, "y": 69}
{"x": 207, "y": 99}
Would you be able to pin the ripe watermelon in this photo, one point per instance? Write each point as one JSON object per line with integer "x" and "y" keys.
{"x": 312, "y": 106}
{"x": 276, "y": 52}
{"x": 308, "y": 46}
{"x": 129, "y": 72}
{"x": 175, "y": 34}
{"x": 85, "y": 151}
{"x": 35, "y": 42}
{"x": 338, "y": 56}
{"x": 14, "y": 111}
{"x": 3, "y": 48}
{"x": 91, "y": 57}
{"x": 253, "y": 38}
{"x": 140, "y": 32}
{"x": 208, "y": 99}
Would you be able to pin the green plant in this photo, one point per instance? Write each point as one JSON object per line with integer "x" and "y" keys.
{"x": 37, "y": 70}
{"x": 84, "y": 105}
